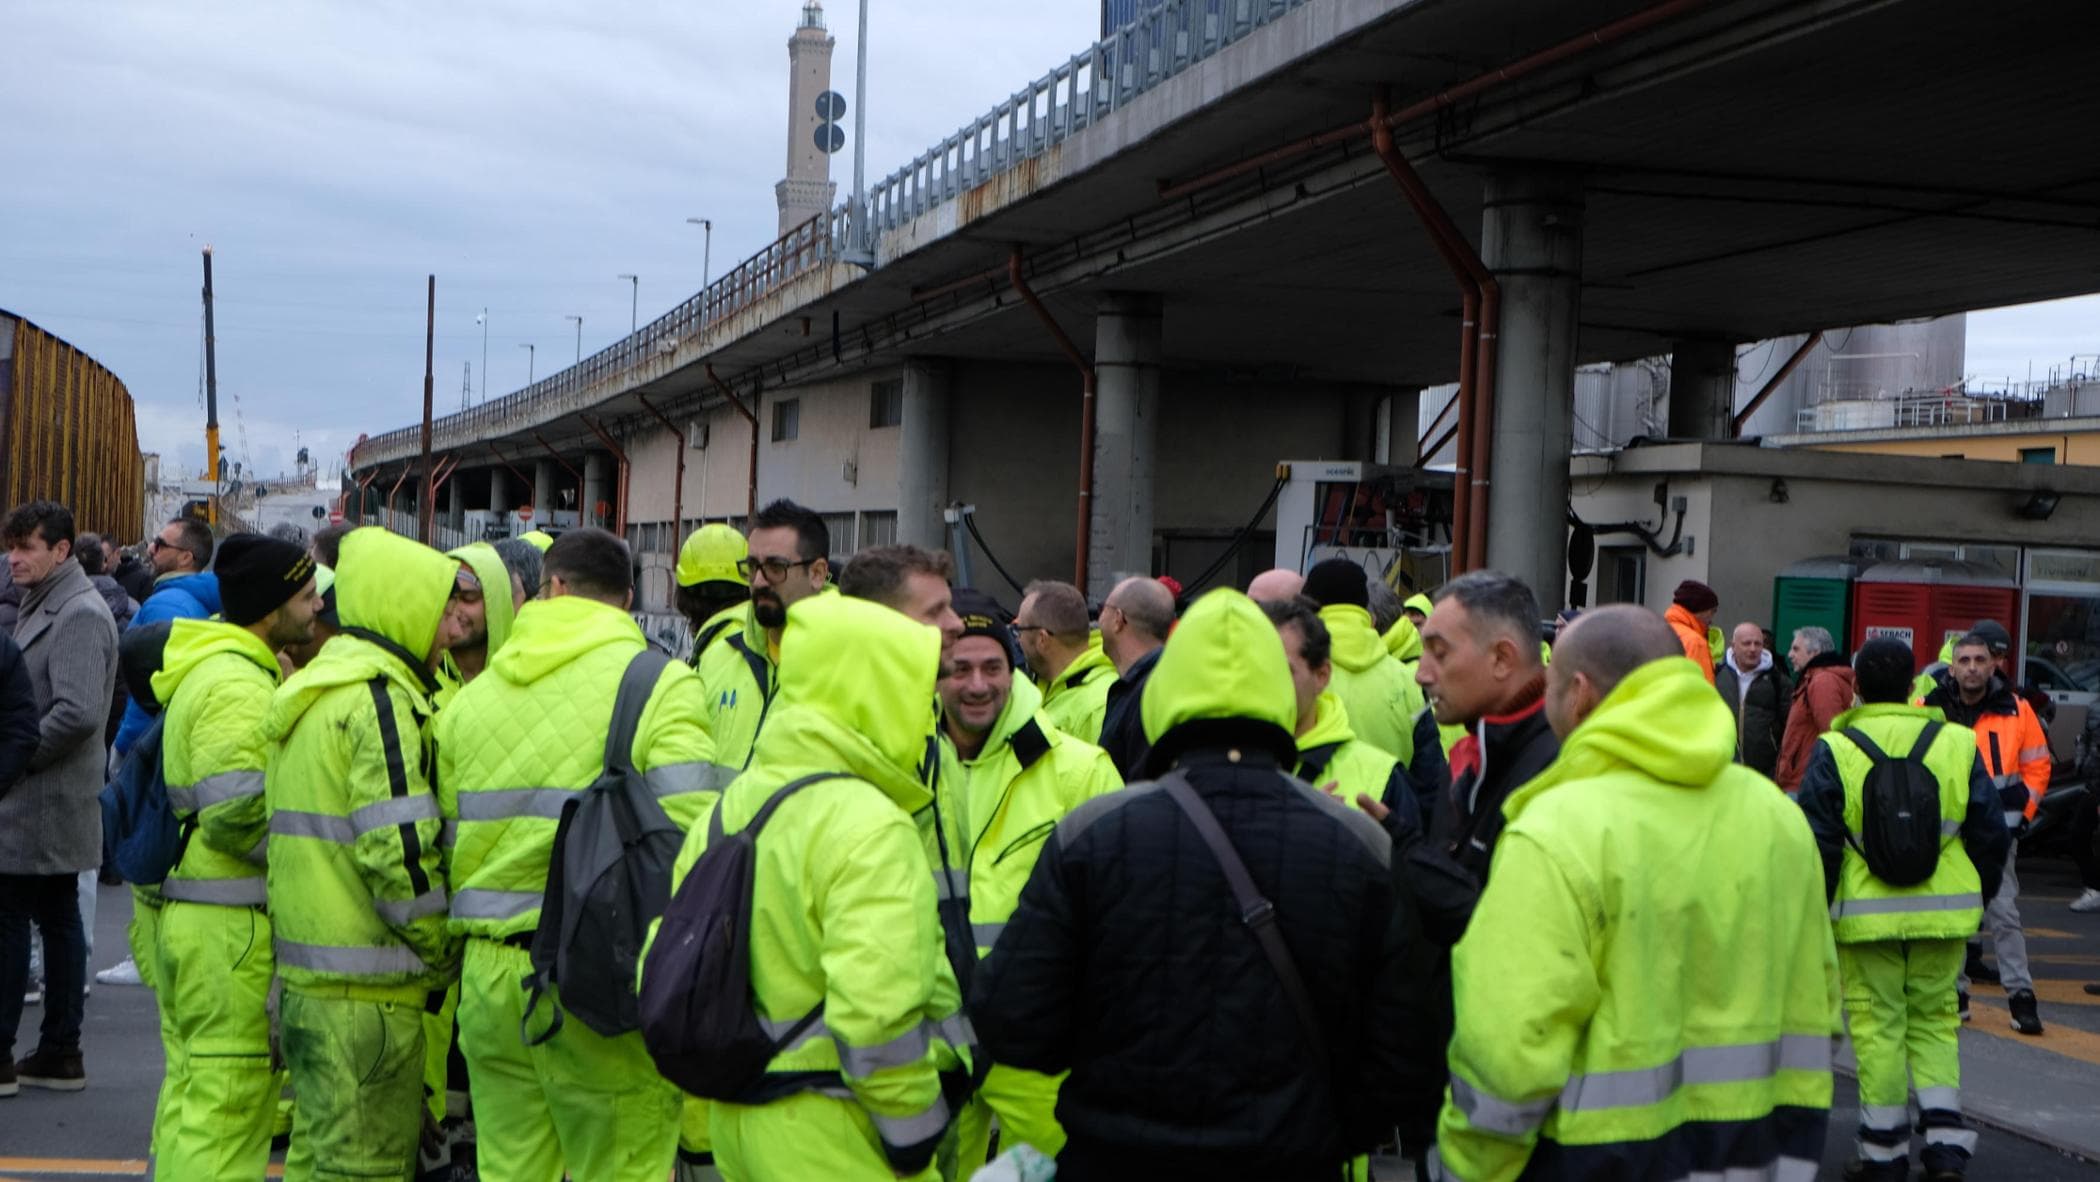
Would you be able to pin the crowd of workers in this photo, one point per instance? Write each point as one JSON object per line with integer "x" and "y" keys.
{"x": 1384, "y": 872}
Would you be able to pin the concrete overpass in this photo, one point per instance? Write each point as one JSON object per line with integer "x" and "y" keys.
{"x": 1197, "y": 203}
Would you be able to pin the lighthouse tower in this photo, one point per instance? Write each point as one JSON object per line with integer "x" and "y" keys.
{"x": 813, "y": 134}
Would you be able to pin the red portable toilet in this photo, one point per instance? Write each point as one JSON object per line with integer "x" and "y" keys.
{"x": 1925, "y": 604}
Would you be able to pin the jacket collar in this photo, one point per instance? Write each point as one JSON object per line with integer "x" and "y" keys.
{"x": 1764, "y": 663}
{"x": 1213, "y": 740}
{"x": 1825, "y": 661}
{"x": 41, "y": 603}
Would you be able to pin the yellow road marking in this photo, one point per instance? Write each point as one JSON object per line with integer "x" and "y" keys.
{"x": 2056, "y": 1038}
{"x": 83, "y": 1166}
{"x": 2049, "y": 934}
{"x": 2063, "y": 993}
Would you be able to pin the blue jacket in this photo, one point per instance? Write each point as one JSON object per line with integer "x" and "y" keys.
{"x": 177, "y": 597}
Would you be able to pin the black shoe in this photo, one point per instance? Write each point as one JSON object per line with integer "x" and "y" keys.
{"x": 1944, "y": 1173}
{"x": 2093, "y": 989}
{"x": 53, "y": 1070}
{"x": 2025, "y": 1017}
{"x": 8, "y": 1084}
{"x": 1877, "y": 1171}
{"x": 1961, "y": 1003}
{"x": 1975, "y": 970}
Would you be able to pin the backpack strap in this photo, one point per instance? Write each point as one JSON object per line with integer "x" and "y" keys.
{"x": 1312, "y": 764}
{"x": 636, "y": 686}
{"x": 1255, "y": 911}
{"x": 765, "y": 811}
{"x": 1924, "y": 743}
{"x": 1866, "y": 745}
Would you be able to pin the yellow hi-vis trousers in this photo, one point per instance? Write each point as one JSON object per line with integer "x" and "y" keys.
{"x": 214, "y": 990}
{"x": 1901, "y": 1009}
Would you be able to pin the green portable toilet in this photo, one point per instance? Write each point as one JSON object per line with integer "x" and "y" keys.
{"x": 1814, "y": 592}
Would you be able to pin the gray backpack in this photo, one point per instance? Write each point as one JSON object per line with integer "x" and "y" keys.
{"x": 608, "y": 877}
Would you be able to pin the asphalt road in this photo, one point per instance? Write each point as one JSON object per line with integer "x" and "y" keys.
{"x": 104, "y": 1131}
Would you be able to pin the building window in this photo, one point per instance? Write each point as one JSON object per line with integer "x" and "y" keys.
{"x": 878, "y": 527}
{"x": 1622, "y": 574}
{"x": 886, "y": 403}
{"x": 843, "y": 544}
{"x": 787, "y": 419}
{"x": 2037, "y": 455}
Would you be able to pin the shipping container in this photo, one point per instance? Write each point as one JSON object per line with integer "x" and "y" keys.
{"x": 67, "y": 433}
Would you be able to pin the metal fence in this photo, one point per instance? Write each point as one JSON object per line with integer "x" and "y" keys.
{"x": 1160, "y": 44}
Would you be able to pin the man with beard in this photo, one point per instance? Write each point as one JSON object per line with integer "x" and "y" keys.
{"x": 787, "y": 564}
{"x": 486, "y": 597}
{"x": 216, "y": 961}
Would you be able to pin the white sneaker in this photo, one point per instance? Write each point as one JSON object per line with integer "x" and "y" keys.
{"x": 34, "y": 995}
{"x": 2089, "y": 901}
{"x": 124, "y": 972}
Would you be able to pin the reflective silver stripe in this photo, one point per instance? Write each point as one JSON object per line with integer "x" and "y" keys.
{"x": 777, "y": 1029}
{"x": 1870, "y": 1151}
{"x": 505, "y": 804}
{"x": 397, "y": 810}
{"x": 951, "y": 884}
{"x": 401, "y": 911}
{"x": 448, "y": 833}
{"x": 1903, "y": 904}
{"x": 1950, "y": 828}
{"x": 476, "y": 903}
{"x": 1937, "y": 1099}
{"x": 862, "y": 1062}
{"x": 1962, "y": 1139}
{"x": 674, "y": 779}
{"x": 1882, "y": 1117}
{"x": 259, "y": 853}
{"x": 1695, "y": 1065}
{"x": 986, "y": 934}
{"x": 363, "y": 961}
{"x": 222, "y": 892}
{"x": 1784, "y": 1169}
{"x": 1492, "y": 1114}
{"x": 956, "y": 1031}
{"x": 215, "y": 789}
{"x": 912, "y": 1130}
{"x": 325, "y": 826}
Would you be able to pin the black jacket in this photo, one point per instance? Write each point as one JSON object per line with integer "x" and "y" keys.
{"x": 135, "y": 577}
{"x": 1123, "y": 726}
{"x": 1759, "y": 700}
{"x": 1127, "y": 963}
{"x": 18, "y": 715}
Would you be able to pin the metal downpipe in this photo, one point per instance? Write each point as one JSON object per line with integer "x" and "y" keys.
{"x": 750, "y": 414}
{"x": 1081, "y": 550}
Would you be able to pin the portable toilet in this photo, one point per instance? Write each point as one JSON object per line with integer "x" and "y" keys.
{"x": 1925, "y": 604}
{"x": 1814, "y": 592}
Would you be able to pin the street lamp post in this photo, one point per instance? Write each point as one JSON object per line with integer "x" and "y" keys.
{"x": 707, "y": 249}
{"x": 579, "y": 337}
{"x": 531, "y": 359}
{"x": 483, "y": 321}
{"x": 634, "y": 303}
{"x": 863, "y": 245}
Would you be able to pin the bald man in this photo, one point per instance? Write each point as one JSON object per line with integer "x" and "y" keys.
{"x": 1645, "y": 828}
{"x": 1276, "y": 586}
{"x": 1757, "y": 694}
{"x": 1135, "y": 620}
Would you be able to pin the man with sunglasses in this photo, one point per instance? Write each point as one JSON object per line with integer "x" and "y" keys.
{"x": 787, "y": 564}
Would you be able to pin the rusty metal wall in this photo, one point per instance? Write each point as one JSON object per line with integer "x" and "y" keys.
{"x": 67, "y": 433}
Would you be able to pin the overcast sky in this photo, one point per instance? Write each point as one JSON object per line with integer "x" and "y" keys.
{"x": 527, "y": 152}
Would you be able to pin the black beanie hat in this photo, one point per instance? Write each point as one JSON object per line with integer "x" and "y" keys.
{"x": 982, "y": 616}
{"x": 259, "y": 574}
{"x": 1695, "y": 597}
{"x": 1337, "y": 581}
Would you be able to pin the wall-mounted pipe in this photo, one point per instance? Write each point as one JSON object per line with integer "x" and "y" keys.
{"x": 750, "y": 414}
{"x": 1481, "y": 303}
{"x": 357, "y": 514}
{"x": 678, "y": 482}
{"x": 445, "y": 468}
{"x": 1081, "y": 546}
{"x": 620, "y": 490}
{"x": 1735, "y": 426}
{"x": 405, "y": 470}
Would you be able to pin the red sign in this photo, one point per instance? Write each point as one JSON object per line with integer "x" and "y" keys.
{"x": 335, "y": 517}
{"x": 524, "y": 513}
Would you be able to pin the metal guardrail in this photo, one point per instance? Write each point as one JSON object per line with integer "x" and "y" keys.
{"x": 1159, "y": 45}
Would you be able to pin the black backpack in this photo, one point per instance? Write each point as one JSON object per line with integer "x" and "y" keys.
{"x": 607, "y": 879}
{"x": 1899, "y": 806}
{"x": 696, "y": 1014}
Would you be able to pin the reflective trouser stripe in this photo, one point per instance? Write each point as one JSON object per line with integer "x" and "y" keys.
{"x": 1902, "y": 904}
{"x": 359, "y": 961}
{"x": 904, "y": 1131}
{"x": 401, "y": 911}
{"x": 215, "y": 789}
{"x": 1941, "y": 1099}
{"x": 1696, "y": 1065}
{"x": 223, "y": 892}
{"x": 1884, "y": 1116}
{"x": 479, "y": 903}
{"x": 1939, "y": 1111}
{"x": 986, "y": 934}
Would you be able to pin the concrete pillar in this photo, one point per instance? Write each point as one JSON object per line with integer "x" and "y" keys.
{"x": 1702, "y": 389}
{"x": 597, "y": 486}
{"x": 455, "y": 503}
{"x": 922, "y": 454}
{"x": 543, "y": 498}
{"x": 1532, "y": 240}
{"x": 1360, "y": 425}
{"x": 499, "y": 491}
{"x": 1399, "y": 426}
{"x": 1127, "y": 347}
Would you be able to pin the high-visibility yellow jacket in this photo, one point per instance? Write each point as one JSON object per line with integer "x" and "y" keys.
{"x": 217, "y": 679}
{"x": 500, "y": 613}
{"x": 739, "y": 672}
{"x": 1332, "y": 759}
{"x": 1380, "y": 693}
{"x": 527, "y": 736}
{"x": 1077, "y": 698}
{"x": 843, "y": 893}
{"x": 356, "y": 890}
{"x": 1947, "y": 905}
{"x": 1603, "y": 1005}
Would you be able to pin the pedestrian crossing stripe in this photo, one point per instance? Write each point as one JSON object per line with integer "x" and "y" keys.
{"x": 2056, "y": 1038}
{"x": 84, "y": 1167}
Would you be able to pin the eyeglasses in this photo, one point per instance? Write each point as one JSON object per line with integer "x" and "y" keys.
{"x": 159, "y": 544}
{"x": 775, "y": 569}
{"x": 1017, "y": 629}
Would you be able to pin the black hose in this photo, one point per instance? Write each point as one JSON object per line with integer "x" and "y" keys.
{"x": 1239, "y": 539}
{"x": 970, "y": 523}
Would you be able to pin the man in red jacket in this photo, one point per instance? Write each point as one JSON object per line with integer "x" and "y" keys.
{"x": 1823, "y": 689}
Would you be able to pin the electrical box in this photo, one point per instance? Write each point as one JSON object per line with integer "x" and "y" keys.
{"x": 1394, "y": 520}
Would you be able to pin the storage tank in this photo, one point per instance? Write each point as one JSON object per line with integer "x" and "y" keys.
{"x": 1926, "y": 604}
{"x": 67, "y": 433}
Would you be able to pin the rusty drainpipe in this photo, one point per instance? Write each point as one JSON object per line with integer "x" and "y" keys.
{"x": 445, "y": 468}
{"x": 678, "y": 485}
{"x": 619, "y": 493}
{"x": 405, "y": 469}
{"x": 574, "y": 475}
{"x": 750, "y": 414}
{"x": 357, "y": 513}
{"x": 1735, "y": 426}
{"x": 1482, "y": 303}
{"x": 1081, "y": 549}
